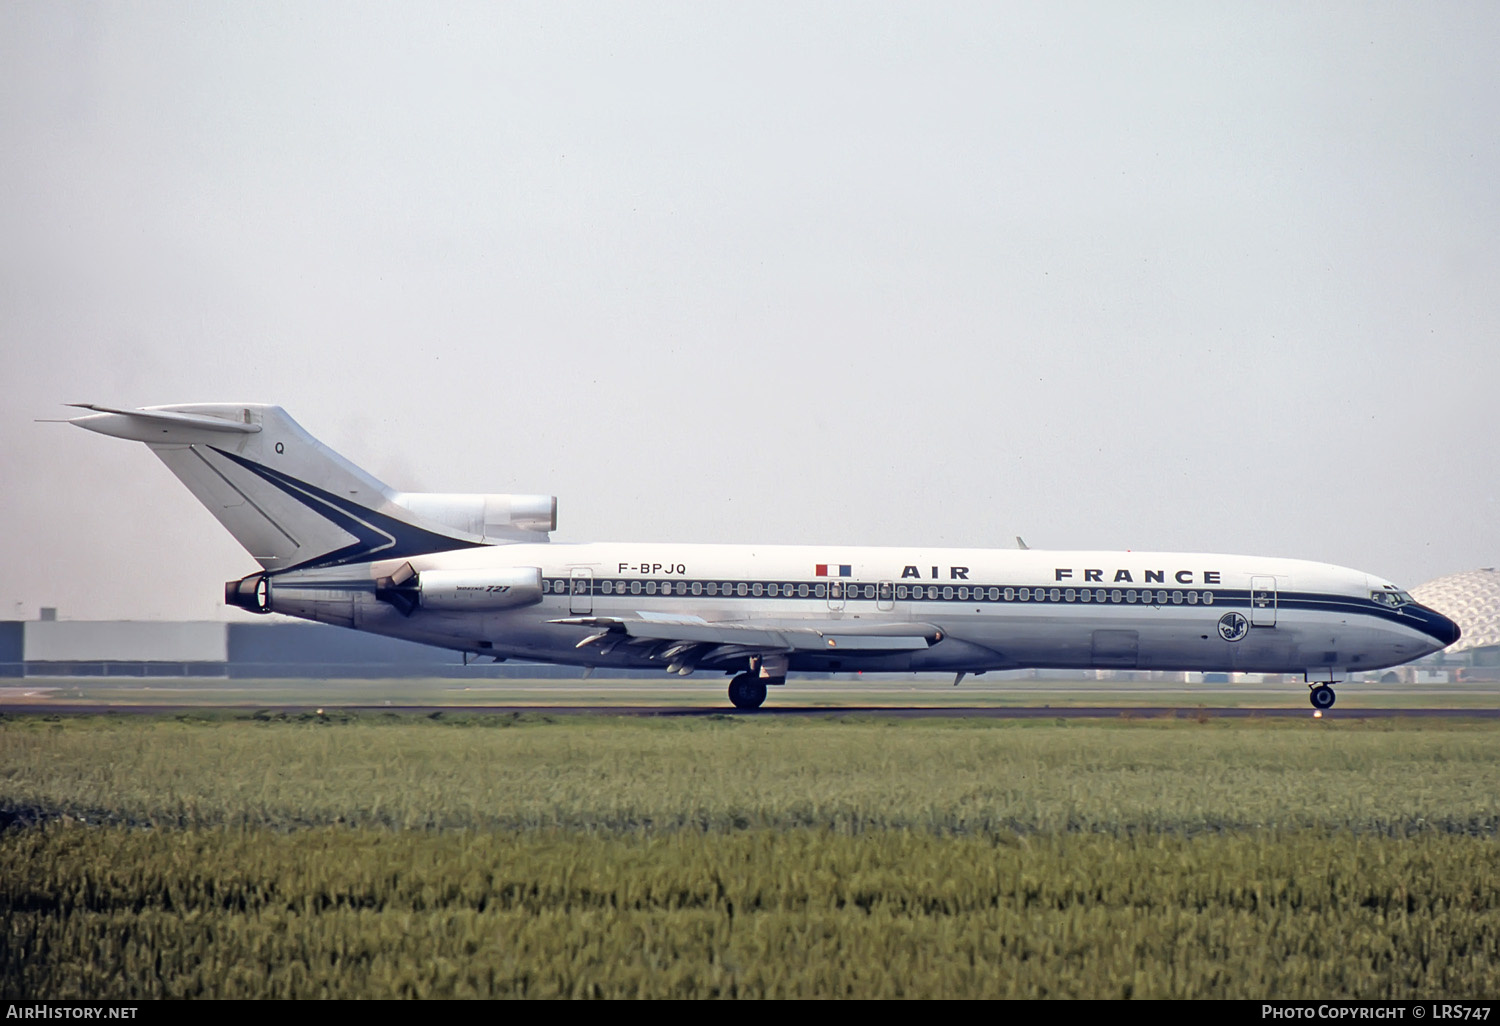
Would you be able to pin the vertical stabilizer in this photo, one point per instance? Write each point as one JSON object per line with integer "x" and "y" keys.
{"x": 287, "y": 498}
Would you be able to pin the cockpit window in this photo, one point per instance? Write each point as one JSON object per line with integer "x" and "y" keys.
{"x": 1392, "y": 598}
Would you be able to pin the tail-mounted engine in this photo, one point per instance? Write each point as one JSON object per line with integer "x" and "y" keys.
{"x": 496, "y": 517}
{"x": 252, "y": 593}
{"x": 460, "y": 590}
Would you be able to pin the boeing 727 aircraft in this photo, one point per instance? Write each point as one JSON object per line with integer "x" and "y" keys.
{"x": 478, "y": 574}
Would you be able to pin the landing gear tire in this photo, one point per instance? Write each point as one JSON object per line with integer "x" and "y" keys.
{"x": 747, "y": 691}
{"x": 1322, "y": 697}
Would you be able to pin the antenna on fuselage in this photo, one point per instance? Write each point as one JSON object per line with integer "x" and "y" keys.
{"x": 1020, "y": 543}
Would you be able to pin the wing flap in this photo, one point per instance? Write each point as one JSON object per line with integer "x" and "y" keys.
{"x": 766, "y": 635}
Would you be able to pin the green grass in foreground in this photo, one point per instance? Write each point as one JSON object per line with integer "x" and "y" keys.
{"x": 949, "y": 776}
{"x": 360, "y": 913}
{"x": 408, "y": 856}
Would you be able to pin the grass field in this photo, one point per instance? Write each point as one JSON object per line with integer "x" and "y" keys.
{"x": 382, "y": 855}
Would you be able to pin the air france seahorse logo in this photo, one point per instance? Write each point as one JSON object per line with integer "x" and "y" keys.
{"x": 1233, "y": 626}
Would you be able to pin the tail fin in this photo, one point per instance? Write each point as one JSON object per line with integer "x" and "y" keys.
{"x": 287, "y": 498}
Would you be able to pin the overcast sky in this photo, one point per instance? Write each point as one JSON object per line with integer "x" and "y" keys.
{"x": 1218, "y": 277}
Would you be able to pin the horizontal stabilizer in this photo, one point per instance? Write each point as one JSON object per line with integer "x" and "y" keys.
{"x": 158, "y": 425}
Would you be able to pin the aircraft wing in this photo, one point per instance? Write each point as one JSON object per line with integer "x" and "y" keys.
{"x": 689, "y": 641}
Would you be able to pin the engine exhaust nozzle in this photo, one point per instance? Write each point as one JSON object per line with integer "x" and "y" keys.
{"x": 251, "y": 593}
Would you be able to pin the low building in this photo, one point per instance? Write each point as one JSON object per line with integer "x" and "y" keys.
{"x": 136, "y": 648}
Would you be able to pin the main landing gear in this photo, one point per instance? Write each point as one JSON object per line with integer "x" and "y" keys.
{"x": 1322, "y": 697}
{"x": 747, "y": 691}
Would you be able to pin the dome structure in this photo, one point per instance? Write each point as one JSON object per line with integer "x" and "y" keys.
{"x": 1472, "y": 600}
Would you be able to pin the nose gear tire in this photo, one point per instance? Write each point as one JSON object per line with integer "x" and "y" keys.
{"x": 1322, "y": 697}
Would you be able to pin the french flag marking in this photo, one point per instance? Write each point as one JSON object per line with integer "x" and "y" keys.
{"x": 833, "y": 570}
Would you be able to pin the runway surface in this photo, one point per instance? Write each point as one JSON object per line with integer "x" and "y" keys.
{"x": 908, "y": 699}
{"x": 894, "y": 712}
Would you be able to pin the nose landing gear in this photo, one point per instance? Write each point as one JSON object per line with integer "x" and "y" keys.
{"x": 1322, "y": 697}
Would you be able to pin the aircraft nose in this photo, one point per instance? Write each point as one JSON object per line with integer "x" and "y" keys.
{"x": 1437, "y": 626}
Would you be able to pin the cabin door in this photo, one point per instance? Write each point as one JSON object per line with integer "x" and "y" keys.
{"x": 1263, "y": 602}
{"x": 581, "y": 592}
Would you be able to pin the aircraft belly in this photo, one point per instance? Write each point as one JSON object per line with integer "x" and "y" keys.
{"x": 1071, "y": 639}
{"x": 1138, "y": 637}
{"x": 898, "y": 662}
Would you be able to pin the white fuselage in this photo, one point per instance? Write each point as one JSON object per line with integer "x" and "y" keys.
{"x": 477, "y": 573}
{"x": 989, "y": 609}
